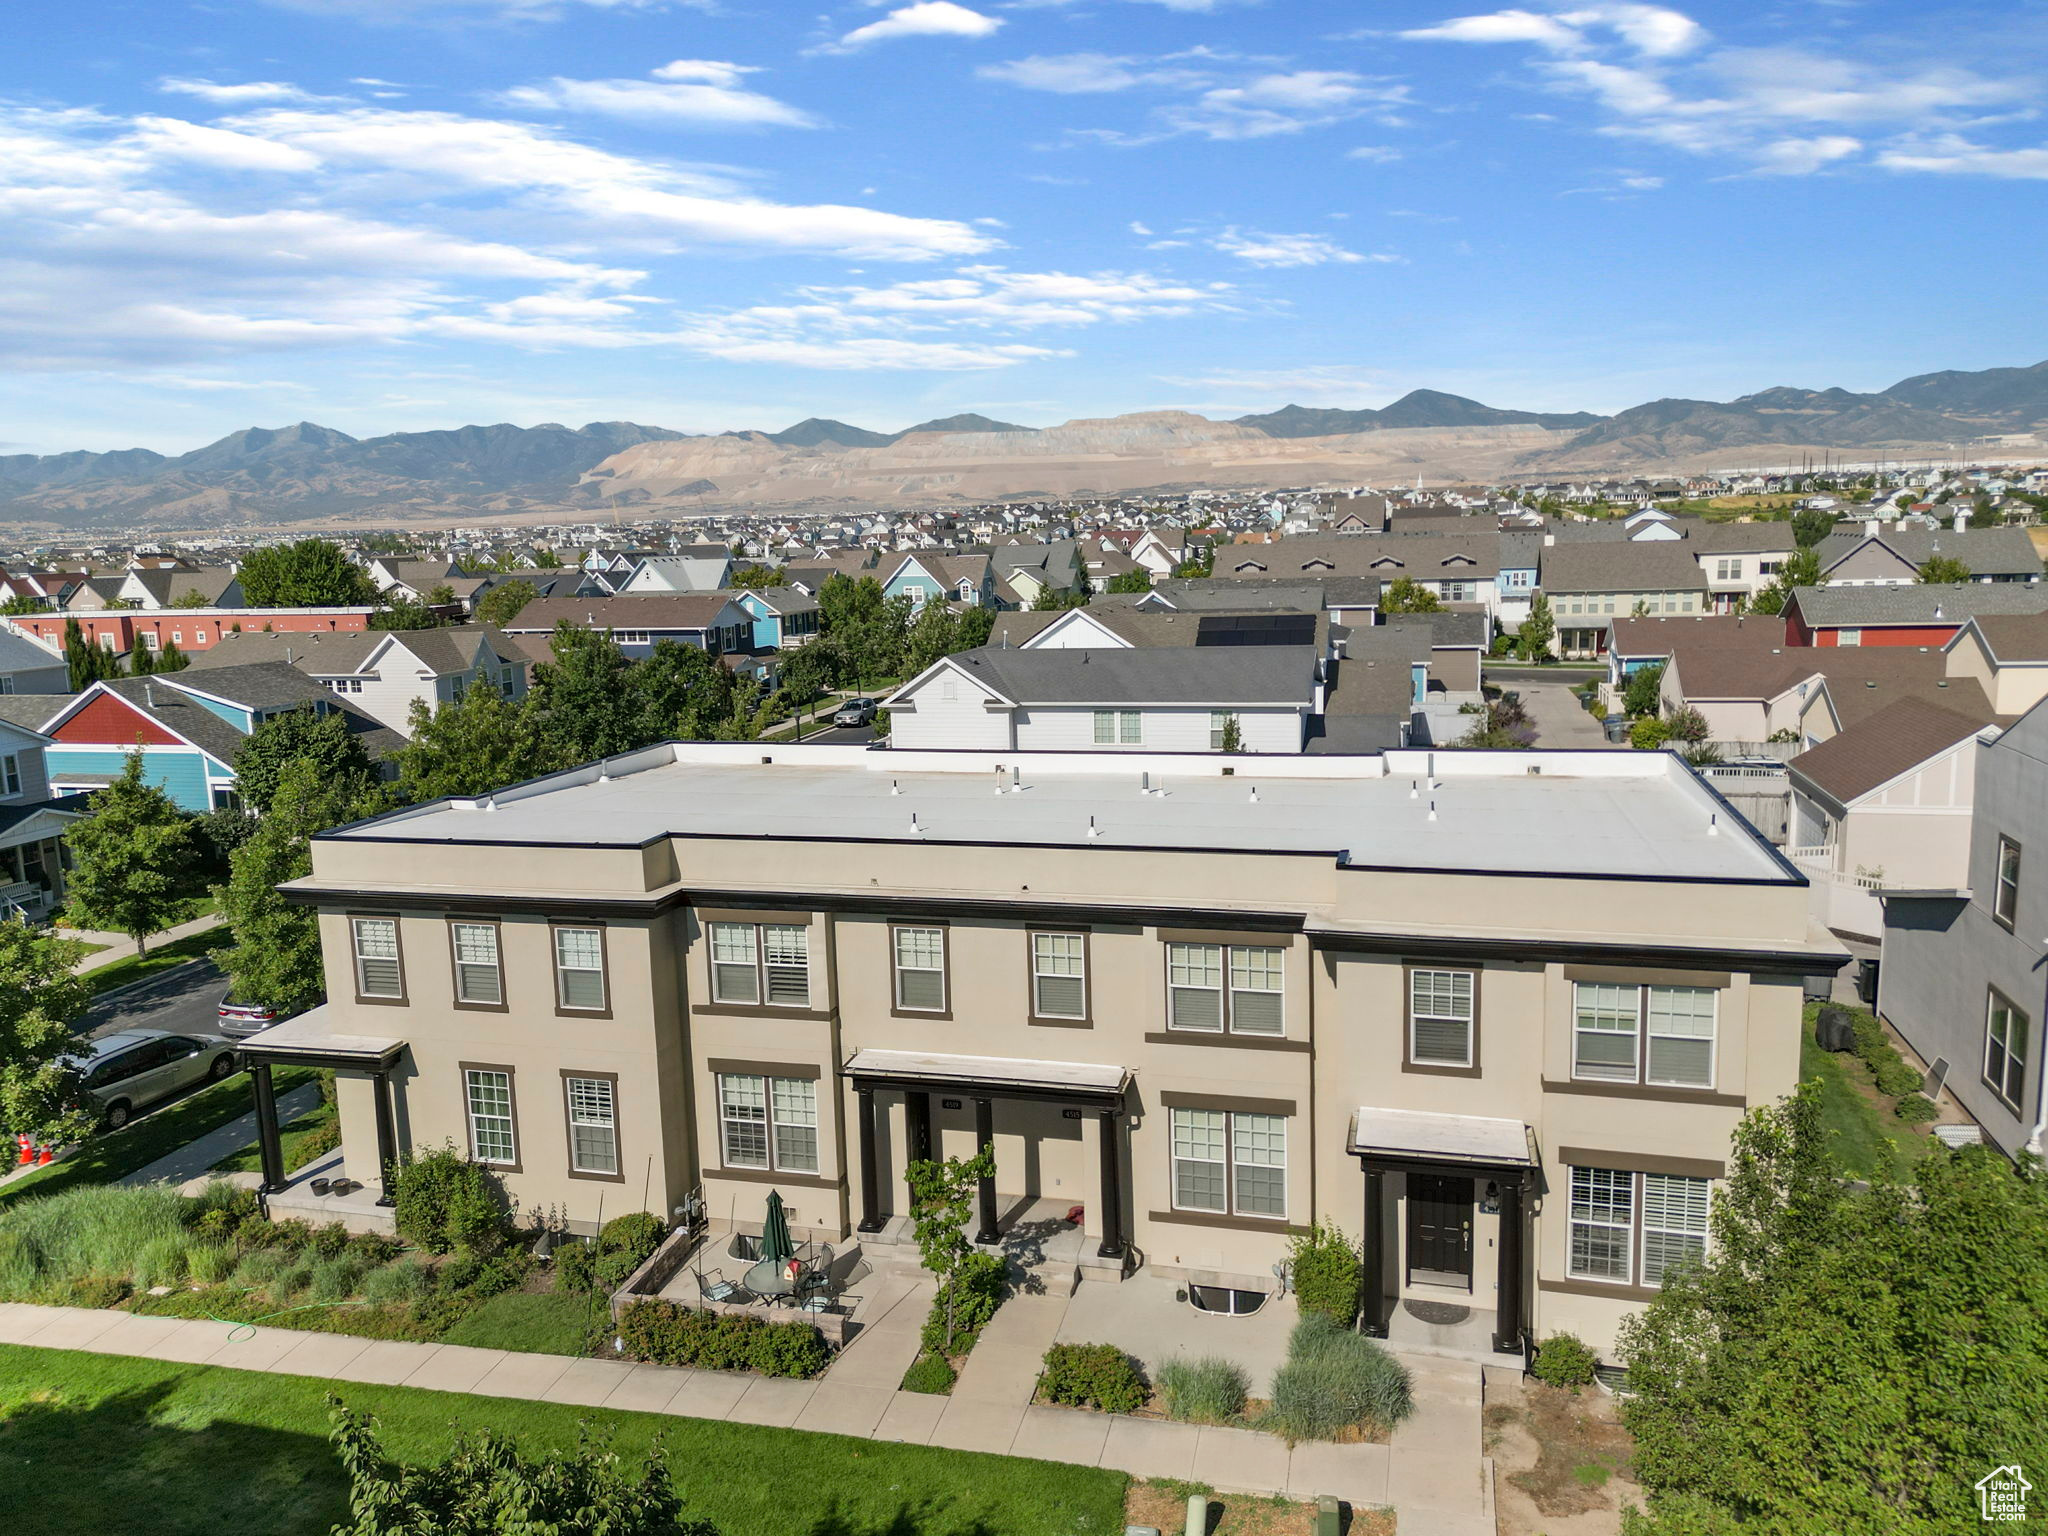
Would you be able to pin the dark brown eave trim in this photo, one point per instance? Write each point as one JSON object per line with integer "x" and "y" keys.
{"x": 1583, "y": 952}
{"x": 1098, "y": 1098}
{"x": 347, "y": 1061}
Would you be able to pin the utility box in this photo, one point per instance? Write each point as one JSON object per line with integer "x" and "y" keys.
{"x": 1329, "y": 1516}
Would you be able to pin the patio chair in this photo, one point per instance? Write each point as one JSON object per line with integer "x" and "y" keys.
{"x": 713, "y": 1286}
{"x": 817, "y": 1283}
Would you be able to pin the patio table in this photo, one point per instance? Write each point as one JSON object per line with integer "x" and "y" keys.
{"x": 771, "y": 1280}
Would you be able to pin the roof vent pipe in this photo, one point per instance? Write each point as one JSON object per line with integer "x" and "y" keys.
{"x": 1093, "y": 830}
{"x": 914, "y": 827}
{"x": 1016, "y": 779}
{"x": 1432, "y": 810}
{"x": 1255, "y": 794}
{"x": 896, "y": 788}
{"x": 1145, "y": 782}
{"x": 1414, "y": 789}
{"x": 999, "y": 778}
{"x": 1714, "y": 824}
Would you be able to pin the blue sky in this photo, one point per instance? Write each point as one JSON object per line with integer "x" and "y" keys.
{"x": 391, "y": 214}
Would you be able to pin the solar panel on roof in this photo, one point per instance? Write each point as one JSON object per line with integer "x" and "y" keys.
{"x": 1256, "y": 629}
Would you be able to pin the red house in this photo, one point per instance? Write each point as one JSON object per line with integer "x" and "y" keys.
{"x": 1926, "y": 615}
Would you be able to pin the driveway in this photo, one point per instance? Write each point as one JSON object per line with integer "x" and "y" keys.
{"x": 1557, "y": 715}
{"x": 840, "y": 736}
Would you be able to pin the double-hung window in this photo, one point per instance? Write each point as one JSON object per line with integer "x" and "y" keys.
{"x": 1627, "y": 1225}
{"x": 379, "y": 970}
{"x": 593, "y": 1104}
{"x": 920, "y": 964}
{"x": 1225, "y": 987}
{"x": 1119, "y": 727}
{"x": 2005, "y": 1050}
{"x": 1220, "y": 722}
{"x": 768, "y": 1122}
{"x": 1229, "y": 1162}
{"x": 2005, "y": 900}
{"x": 492, "y": 1136}
{"x": 1662, "y": 1036}
{"x": 579, "y": 969}
{"x": 1442, "y": 1008}
{"x": 1059, "y": 975}
{"x": 761, "y": 962}
{"x": 478, "y": 974}
{"x": 10, "y": 774}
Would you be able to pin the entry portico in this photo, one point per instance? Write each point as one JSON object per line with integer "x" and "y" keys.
{"x": 1078, "y": 1087}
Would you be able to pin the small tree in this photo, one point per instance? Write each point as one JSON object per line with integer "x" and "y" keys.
{"x": 1402, "y": 595}
{"x": 1139, "y": 580}
{"x": 1802, "y": 570}
{"x": 39, "y": 1002}
{"x": 1327, "y": 1272}
{"x": 23, "y": 602}
{"x": 1537, "y": 631}
{"x": 133, "y": 859}
{"x": 941, "y": 1203}
{"x": 1942, "y": 570}
{"x": 171, "y": 659}
{"x": 486, "y": 1487}
{"x": 472, "y": 745}
{"x": 501, "y": 604}
{"x": 85, "y": 660}
{"x": 312, "y": 573}
{"x": 1644, "y": 694}
{"x": 192, "y": 597}
{"x": 1233, "y": 735}
{"x": 754, "y": 577}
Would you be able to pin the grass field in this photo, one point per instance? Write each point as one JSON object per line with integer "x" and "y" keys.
{"x": 534, "y": 1322}
{"x": 161, "y": 957}
{"x": 298, "y": 1135}
{"x": 124, "y": 1447}
{"x": 109, "y": 1158}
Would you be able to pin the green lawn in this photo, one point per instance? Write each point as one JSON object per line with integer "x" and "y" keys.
{"x": 161, "y": 957}
{"x": 110, "y": 1157}
{"x": 1867, "y": 1135}
{"x": 550, "y": 1323}
{"x": 299, "y": 1135}
{"x": 125, "y": 1447}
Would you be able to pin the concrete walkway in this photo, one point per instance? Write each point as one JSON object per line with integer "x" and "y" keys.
{"x": 121, "y": 947}
{"x": 1434, "y": 1468}
{"x": 1559, "y": 718}
{"x": 196, "y": 1157}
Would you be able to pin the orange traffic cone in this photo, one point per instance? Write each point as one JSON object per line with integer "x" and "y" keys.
{"x": 49, "y": 1155}
{"x": 27, "y": 1149}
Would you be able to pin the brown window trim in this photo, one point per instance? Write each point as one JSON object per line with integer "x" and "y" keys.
{"x": 762, "y": 1011}
{"x": 1224, "y": 1101}
{"x": 1640, "y": 976}
{"x": 1086, "y": 1020}
{"x": 1643, "y": 1162}
{"x": 455, "y": 965}
{"x": 721, "y": 1066}
{"x": 1436, "y": 1068}
{"x": 1998, "y": 883}
{"x": 355, "y": 967}
{"x": 945, "y": 931}
{"x": 803, "y": 1071}
{"x": 569, "y": 1128}
{"x": 771, "y": 1176}
{"x": 1612, "y": 1289}
{"x": 1225, "y": 1038}
{"x": 1992, "y": 998}
{"x": 1591, "y": 1088}
{"x": 759, "y": 921}
{"x": 1228, "y": 1033}
{"x": 1278, "y": 1225}
{"x": 1256, "y": 938}
{"x": 604, "y": 964}
{"x": 464, "y": 1068}
{"x": 1641, "y": 1081}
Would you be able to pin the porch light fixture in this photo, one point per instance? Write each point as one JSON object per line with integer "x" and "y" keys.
{"x": 1489, "y": 1201}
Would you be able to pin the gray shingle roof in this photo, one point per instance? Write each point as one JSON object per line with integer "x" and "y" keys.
{"x": 1658, "y": 566}
{"x": 1917, "y": 603}
{"x": 18, "y": 654}
{"x": 1986, "y": 551}
{"x": 1230, "y": 675}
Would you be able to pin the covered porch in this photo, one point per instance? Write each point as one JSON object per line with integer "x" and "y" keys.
{"x": 360, "y": 1061}
{"x": 32, "y": 860}
{"x": 1028, "y": 1219}
{"x": 1439, "y": 1190}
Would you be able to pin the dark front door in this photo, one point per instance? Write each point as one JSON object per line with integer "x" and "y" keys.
{"x": 1440, "y": 1229}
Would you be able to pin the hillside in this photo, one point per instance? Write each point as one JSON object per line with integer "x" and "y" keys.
{"x": 1417, "y": 408}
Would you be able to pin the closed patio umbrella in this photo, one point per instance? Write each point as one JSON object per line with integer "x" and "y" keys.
{"x": 776, "y": 1248}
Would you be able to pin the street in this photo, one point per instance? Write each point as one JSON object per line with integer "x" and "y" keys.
{"x": 840, "y": 736}
{"x": 184, "y": 1000}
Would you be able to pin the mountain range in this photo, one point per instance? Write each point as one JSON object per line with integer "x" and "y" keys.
{"x": 307, "y": 471}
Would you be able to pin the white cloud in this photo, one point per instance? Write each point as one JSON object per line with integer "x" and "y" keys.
{"x": 1376, "y": 154}
{"x": 172, "y": 138}
{"x": 1951, "y": 154}
{"x": 1500, "y": 27}
{"x": 233, "y": 95}
{"x": 1259, "y": 249}
{"x": 701, "y": 92}
{"x": 923, "y": 18}
{"x": 1067, "y": 74}
{"x": 1285, "y": 103}
{"x": 1802, "y": 157}
{"x": 1648, "y": 29}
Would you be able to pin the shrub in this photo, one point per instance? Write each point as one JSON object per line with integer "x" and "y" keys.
{"x": 228, "y": 1198}
{"x": 609, "y": 1271}
{"x": 292, "y": 1281}
{"x": 211, "y": 1263}
{"x": 1204, "y": 1391}
{"x": 1916, "y": 1109}
{"x": 403, "y": 1280}
{"x": 1648, "y": 734}
{"x": 260, "y": 1268}
{"x": 638, "y": 1233}
{"x": 931, "y": 1374}
{"x": 1563, "y": 1360}
{"x": 319, "y": 1141}
{"x": 96, "y": 1291}
{"x": 436, "y": 1314}
{"x": 375, "y": 1248}
{"x": 335, "y": 1279}
{"x": 1327, "y": 1273}
{"x": 445, "y": 1201}
{"x": 574, "y": 1267}
{"x": 460, "y": 1272}
{"x": 253, "y": 1232}
{"x": 162, "y": 1260}
{"x": 790, "y": 1349}
{"x": 1894, "y": 1078}
{"x": 506, "y": 1272}
{"x": 1335, "y": 1380}
{"x": 973, "y": 1292}
{"x": 292, "y": 1236}
{"x": 668, "y": 1334}
{"x": 1092, "y": 1376}
{"x": 330, "y": 1241}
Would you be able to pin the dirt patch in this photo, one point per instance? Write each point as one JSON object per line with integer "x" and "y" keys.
{"x": 1162, "y": 1504}
{"x": 1561, "y": 1460}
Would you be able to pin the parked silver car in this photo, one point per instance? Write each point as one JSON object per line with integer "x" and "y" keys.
{"x": 135, "y": 1067}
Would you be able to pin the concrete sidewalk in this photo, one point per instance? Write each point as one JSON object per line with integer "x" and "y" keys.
{"x": 121, "y": 947}
{"x": 197, "y": 1157}
{"x": 1434, "y": 1467}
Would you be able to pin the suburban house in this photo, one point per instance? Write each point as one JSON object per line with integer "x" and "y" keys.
{"x": 26, "y": 667}
{"x": 1739, "y": 559}
{"x": 384, "y": 672}
{"x": 2007, "y": 656}
{"x": 710, "y": 621}
{"x": 1502, "y": 1027}
{"x": 1351, "y": 600}
{"x": 1900, "y": 615}
{"x": 190, "y": 629}
{"x": 1160, "y": 551}
{"x": 1891, "y": 554}
{"x": 1454, "y": 568}
{"x": 1022, "y": 573}
{"x": 784, "y": 617}
{"x": 153, "y": 589}
{"x": 1169, "y": 698}
{"x": 924, "y": 577}
{"x": 189, "y": 727}
{"x": 32, "y": 823}
{"x": 1962, "y": 975}
{"x": 1592, "y": 584}
{"x": 693, "y": 568}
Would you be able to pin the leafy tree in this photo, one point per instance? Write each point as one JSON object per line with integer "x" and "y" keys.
{"x": 86, "y": 662}
{"x": 1845, "y": 1357}
{"x": 171, "y": 659}
{"x": 972, "y": 628}
{"x": 312, "y": 573}
{"x": 1942, "y": 570}
{"x": 39, "y": 1001}
{"x": 141, "y": 661}
{"x": 873, "y": 628}
{"x": 192, "y": 597}
{"x": 472, "y": 745}
{"x": 1644, "y": 694}
{"x": 401, "y": 612}
{"x": 1814, "y": 524}
{"x": 298, "y": 735}
{"x": 132, "y": 859}
{"x": 681, "y": 691}
{"x": 586, "y": 697}
{"x": 1402, "y": 595}
{"x": 486, "y": 1487}
{"x": 932, "y": 635}
{"x": 502, "y": 603}
{"x": 547, "y": 560}
{"x": 941, "y": 1202}
{"x": 274, "y": 956}
{"x": 1048, "y": 600}
{"x": 803, "y": 679}
{"x": 1196, "y": 560}
{"x": 1233, "y": 736}
{"x": 1537, "y": 631}
{"x": 1688, "y": 725}
{"x": 1139, "y": 580}
{"x": 754, "y": 577}
{"x": 1802, "y": 570}
{"x": 23, "y": 602}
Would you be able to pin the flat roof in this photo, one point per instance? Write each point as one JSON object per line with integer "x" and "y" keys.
{"x": 1602, "y": 813}
{"x": 1008, "y": 1071}
{"x": 1451, "y": 1138}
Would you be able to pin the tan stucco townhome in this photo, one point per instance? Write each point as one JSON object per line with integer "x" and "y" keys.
{"x": 1498, "y": 1014}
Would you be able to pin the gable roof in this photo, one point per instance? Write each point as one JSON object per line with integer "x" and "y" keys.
{"x": 635, "y": 611}
{"x": 1707, "y": 538}
{"x": 1986, "y": 551}
{"x": 2014, "y": 638}
{"x": 1625, "y": 567}
{"x": 1882, "y": 746}
{"x": 1273, "y": 676}
{"x": 20, "y": 654}
{"x": 1914, "y": 603}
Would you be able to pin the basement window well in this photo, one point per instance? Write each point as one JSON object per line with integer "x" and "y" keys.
{"x": 1225, "y": 1302}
